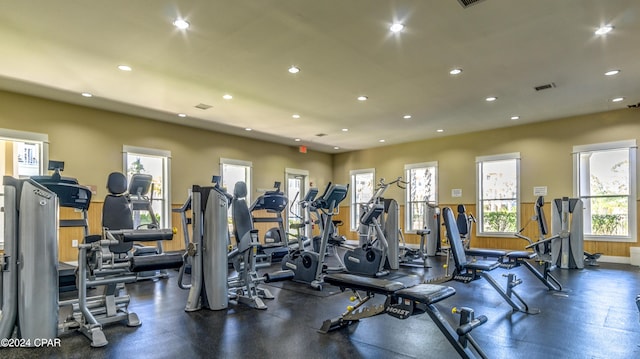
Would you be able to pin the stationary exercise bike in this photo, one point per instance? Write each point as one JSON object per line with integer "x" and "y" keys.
{"x": 308, "y": 264}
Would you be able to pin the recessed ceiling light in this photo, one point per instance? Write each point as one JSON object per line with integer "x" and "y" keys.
{"x": 227, "y": 96}
{"x": 297, "y": 140}
{"x": 124, "y": 67}
{"x": 617, "y": 99}
{"x": 363, "y": 98}
{"x": 406, "y": 117}
{"x": 612, "y": 72}
{"x": 515, "y": 117}
{"x": 439, "y": 130}
{"x": 247, "y": 129}
{"x": 345, "y": 130}
{"x": 603, "y": 29}
{"x": 181, "y": 24}
{"x": 397, "y": 27}
{"x": 182, "y": 115}
{"x": 86, "y": 94}
{"x": 455, "y": 71}
{"x": 491, "y": 98}
{"x": 381, "y": 141}
{"x": 295, "y": 115}
{"x": 336, "y": 147}
{"x": 294, "y": 69}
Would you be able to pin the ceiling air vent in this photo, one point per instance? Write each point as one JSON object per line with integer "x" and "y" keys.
{"x": 545, "y": 86}
{"x": 466, "y": 3}
{"x": 203, "y": 106}
{"x": 321, "y": 134}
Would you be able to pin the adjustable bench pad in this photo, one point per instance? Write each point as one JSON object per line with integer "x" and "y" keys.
{"x": 484, "y": 252}
{"x": 521, "y": 255}
{"x": 376, "y": 285}
{"x": 402, "y": 300}
{"x": 426, "y": 293}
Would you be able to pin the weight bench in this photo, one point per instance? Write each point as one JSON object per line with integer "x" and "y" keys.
{"x": 403, "y": 301}
{"x": 466, "y": 271}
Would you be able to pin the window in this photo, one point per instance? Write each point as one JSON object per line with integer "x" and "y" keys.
{"x": 498, "y": 181}
{"x": 605, "y": 181}
{"x": 422, "y": 188}
{"x": 22, "y": 154}
{"x": 234, "y": 171}
{"x": 297, "y": 187}
{"x": 362, "y": 186}
{"x": 157, "y": 164}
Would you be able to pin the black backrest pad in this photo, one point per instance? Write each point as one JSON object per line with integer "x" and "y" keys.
{"x": 542, "y": 221}
{"x": 454, "y": 238}
{"x": 462, "y": 220}
{"x": 241, "y": 217}
{"x": 116, "y": 183}
{"x": 116, "y": 212}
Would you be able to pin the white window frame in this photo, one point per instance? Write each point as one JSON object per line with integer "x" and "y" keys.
{"x": 15, "y": 135}
{"x": 166, "y": 208}
{"x": 633, "y": 184}
{"x": 479, "y": 199}
{"x": 248, "y": 178}
{"x": 407, "y": 197}
{"x": 354, "y": 221}
{"x": 295, "y": 172}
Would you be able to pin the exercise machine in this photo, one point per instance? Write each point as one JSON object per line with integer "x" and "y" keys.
{"x": 567, "y": 221}
{"x": 541, "y": 250}
{"x": 403, "y": 301}
{"x": 56, "y": 183}
{"x": 429, "y": 239}
{"x": 466, "y": 271}
{"x": 304, "y": 228}
{"x": 140, "y": 194}
{"x": 31, "y": 213}
{"x": 211, "y": 285}
{"x": 105, "y": 267}
{"x": 29, "y": 265}
{"x": 308, "y": 265}
{"x": 275, "y": 241}
{"x": 369, "y": 258}
{"x": 375, "y": 251}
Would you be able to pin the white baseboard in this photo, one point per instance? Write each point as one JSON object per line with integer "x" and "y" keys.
{"x": 615, "y": 259}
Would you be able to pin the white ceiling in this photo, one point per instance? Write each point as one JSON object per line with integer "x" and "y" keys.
{"x": 58, "y": 49}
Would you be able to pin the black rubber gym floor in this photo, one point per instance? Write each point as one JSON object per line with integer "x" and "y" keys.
{"x": 596, "y": 317}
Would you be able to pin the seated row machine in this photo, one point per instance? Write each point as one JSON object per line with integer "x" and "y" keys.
{"x": 209, "y": 252}
{"x": 402, "y": 302}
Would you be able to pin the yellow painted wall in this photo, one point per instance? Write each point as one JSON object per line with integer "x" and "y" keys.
{"x": 90, "y": 142}
{"x": 545, "y": 149}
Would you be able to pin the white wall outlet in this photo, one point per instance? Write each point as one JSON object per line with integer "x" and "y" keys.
{"x": 74, "y": 243}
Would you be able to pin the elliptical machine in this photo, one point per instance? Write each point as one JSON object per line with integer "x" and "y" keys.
{"x": 374, "y": 251}
{"x": 308, "y": 265}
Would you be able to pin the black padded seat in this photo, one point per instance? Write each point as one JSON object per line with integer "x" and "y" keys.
{"x": 345, "y": 280}
{"x": 485, "y": 252}
{"x": 426, "y": 293}
{"x": 482, "y": 265}
{"x": 521, "y": 255}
